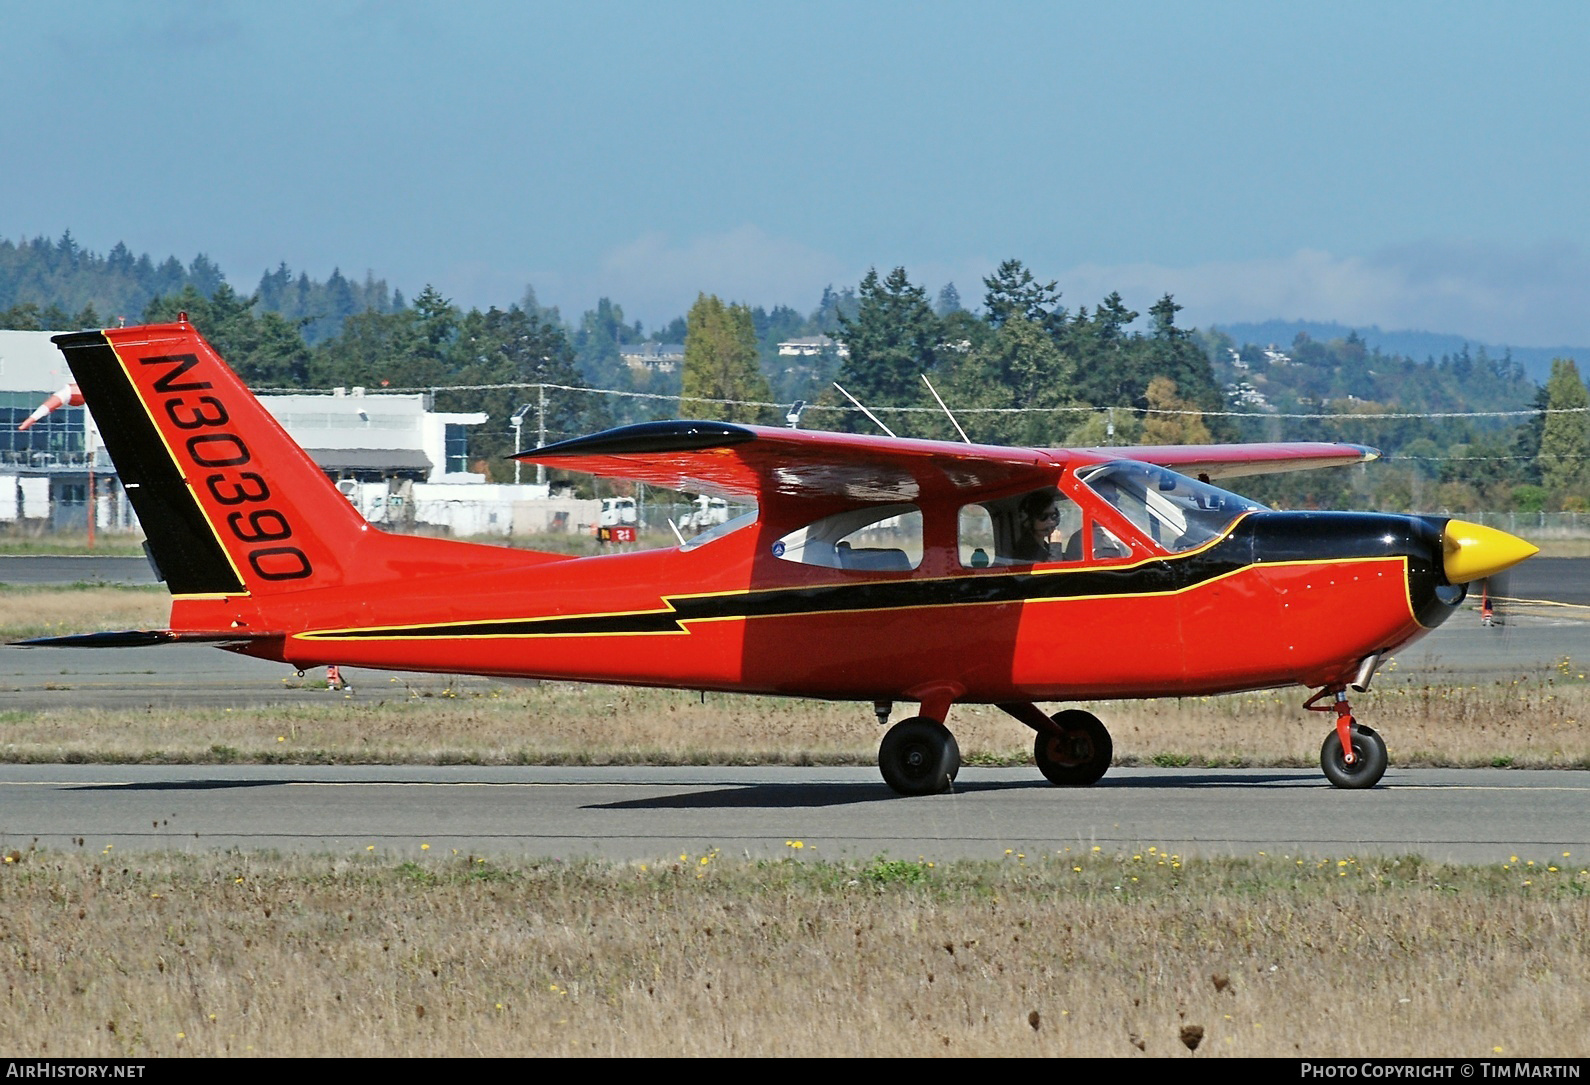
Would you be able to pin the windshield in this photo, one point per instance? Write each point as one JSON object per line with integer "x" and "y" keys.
{"x": 1173, "y": 510}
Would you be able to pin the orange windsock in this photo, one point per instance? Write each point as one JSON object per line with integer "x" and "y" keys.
{"x": 68, "y": 396}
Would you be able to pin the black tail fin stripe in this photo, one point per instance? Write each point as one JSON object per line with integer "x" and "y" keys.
{"x": 185, "y": 545}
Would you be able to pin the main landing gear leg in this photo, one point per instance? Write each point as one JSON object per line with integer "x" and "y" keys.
{"x": 919, "y": 756}
{"x": 1073, "y": 748}
{"x": 1353, "y": 756}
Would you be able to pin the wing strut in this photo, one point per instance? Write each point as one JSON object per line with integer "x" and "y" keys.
{"x": 940, "y": 398}
{"x": 864, "y": 411}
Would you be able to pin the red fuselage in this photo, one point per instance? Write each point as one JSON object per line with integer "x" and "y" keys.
{"x": 1281, "y": 598}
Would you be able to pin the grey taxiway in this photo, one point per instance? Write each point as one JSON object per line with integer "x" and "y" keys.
{"x": 650, "y": 813}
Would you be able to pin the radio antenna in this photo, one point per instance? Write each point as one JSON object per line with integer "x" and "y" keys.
{"x": 946, "y": 409}
{"x": 864, "y": 410}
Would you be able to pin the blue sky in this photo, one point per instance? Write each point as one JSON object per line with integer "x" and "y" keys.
{"x": 1414, "y": 165}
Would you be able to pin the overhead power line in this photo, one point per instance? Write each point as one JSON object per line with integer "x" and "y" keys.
{"x": 1356, "y": 416}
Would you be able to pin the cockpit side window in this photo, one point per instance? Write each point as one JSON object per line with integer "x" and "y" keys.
{"x": 1022, "y": 530}
{"x": 879, "y": 538}
{"x": 1176, "y": 512}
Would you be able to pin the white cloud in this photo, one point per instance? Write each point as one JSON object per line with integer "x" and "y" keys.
{"x": 656, "y": 279}
{"x": 1520, "y": 296}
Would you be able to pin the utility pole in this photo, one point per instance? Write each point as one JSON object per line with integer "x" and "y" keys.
{"x": 517, "y": 422}
{"x": 541, "y": 434}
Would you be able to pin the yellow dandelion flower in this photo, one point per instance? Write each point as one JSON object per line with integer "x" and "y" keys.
{"x": 425, "y": 847}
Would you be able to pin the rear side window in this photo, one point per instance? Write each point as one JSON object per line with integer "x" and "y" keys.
{"x": 881, "y": 538}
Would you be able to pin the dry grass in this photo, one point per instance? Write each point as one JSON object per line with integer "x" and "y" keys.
{"x": 445, "y": 955}
{"x": 81, "y": 608}
{"x": 421, "y": 954}
{"x": 1521, "y": 724}
{"x": 1526, "y": 723}
{"x": 15, "y": 540}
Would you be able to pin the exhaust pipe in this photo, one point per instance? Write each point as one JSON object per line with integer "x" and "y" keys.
{"x": 1366, "y": 672}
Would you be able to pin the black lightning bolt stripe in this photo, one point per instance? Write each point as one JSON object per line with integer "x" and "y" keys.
{"x": 1256, "y": 539}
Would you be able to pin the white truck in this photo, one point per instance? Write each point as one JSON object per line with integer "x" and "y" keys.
{"x": 707, "y": 512}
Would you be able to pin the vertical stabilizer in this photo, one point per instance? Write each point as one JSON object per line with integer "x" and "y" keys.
{"x": 228, "y": 501}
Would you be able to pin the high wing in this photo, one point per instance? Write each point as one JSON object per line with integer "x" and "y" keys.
{"x": 1229, "y": 461}
{"x": 728, "y": 460}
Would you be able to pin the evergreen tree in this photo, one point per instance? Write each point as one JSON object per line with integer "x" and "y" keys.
{"x": 516, "y": 347}
{"x": 266, "y": 350}
{"x": 1565, "y": 437}
{"x": 1012, "y": 292}
{"x": 601, "y": 332}
{"x": 893, "y": 339}
{"x": 1017, "y": 366}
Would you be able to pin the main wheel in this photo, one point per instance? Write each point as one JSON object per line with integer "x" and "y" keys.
{"x": 919, "y": 756}
{"x": 1078, "y": 757}
{"x": 1369, "y": 759}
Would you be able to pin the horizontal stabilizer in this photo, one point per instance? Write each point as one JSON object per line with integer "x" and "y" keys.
{"x": 143, "y": 638}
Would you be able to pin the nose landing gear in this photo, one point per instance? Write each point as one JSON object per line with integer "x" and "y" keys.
{"x": 1353, "y": 756}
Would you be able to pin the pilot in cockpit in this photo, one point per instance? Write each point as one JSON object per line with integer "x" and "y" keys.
{"x": 1037, "y": 517}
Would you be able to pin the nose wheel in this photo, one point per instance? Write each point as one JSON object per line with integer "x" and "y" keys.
{"x": 1369, "y": 758}
{"x": 919, "y": 756}
{"x": 1353, "y": 756}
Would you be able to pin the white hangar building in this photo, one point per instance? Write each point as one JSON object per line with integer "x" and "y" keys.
{"x": 400, "y": 462}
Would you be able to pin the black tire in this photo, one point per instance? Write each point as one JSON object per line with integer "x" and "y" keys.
{"x": 1079, "y": 757}
{"x": 1369, "y": 751}
{"x": 919, "y": 756}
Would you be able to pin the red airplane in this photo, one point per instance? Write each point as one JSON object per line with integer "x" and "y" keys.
{"x": 873, "y": 569}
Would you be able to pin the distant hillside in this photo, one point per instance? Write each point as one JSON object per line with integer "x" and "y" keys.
{"x": 1416, "y": 345}
{"x": 59, "y": 284}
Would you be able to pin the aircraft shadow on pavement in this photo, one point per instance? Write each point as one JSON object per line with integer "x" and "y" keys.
{"x": 182, "y": 785}
{"x": 795, "y": 796}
